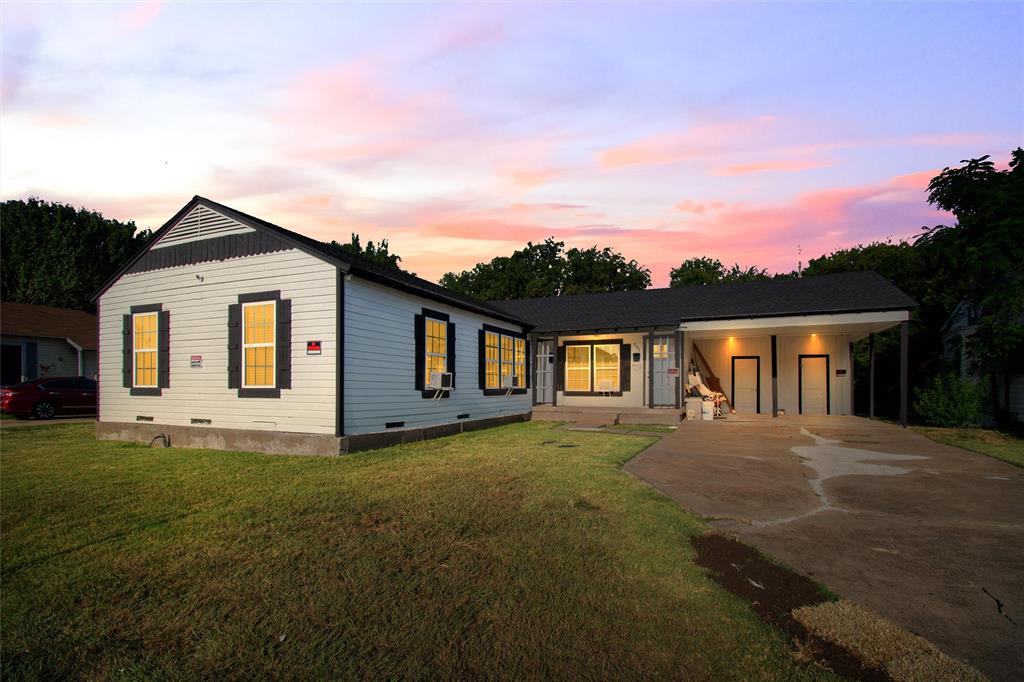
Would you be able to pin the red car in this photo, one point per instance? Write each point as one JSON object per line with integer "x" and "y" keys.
{"x": 50, "y": 397}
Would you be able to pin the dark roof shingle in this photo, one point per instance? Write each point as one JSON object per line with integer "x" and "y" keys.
{"x": 47, "y": 322}
{"x": 840, "y": 293}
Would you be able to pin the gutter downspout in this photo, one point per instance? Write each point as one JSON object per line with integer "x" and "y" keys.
{"x": 80, "y": 352}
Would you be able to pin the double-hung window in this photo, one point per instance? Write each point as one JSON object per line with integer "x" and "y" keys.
{"x": 598, "y": 367}
{"x": 606, "y": 368}
{"x": 577, "y": 369}
{"x": 503, "y": 360}
{"x": 144, "y": 351}
{"x": 436, "y": 348}
{"x": 258, "y": 344}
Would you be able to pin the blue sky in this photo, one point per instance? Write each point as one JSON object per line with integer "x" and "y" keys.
{"x": 460, "y": 131}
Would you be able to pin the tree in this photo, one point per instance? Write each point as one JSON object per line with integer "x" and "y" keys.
{"x": 378, "y": 253}
{"x": 703, "y": 270}
{"x": 546, "y": 269}
{"x": 54, "y": 254}
{"x": 982, "y": 257}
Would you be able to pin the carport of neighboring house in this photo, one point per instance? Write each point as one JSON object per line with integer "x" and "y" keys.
{"x": 798, "y": 364}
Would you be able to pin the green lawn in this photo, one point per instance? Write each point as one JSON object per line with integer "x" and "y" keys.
{"x": 494, "y": 554}
{"x": 986, "y": 441}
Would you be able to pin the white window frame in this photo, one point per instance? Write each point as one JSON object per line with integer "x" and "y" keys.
{"x": 617, "y": 367}
{"x": 490, "y": 363}
{"x": 155, "y": 349}
{"x": 427, "y": 319}
{"x": 590, "y": 367}
{"x": 273, "y": 344}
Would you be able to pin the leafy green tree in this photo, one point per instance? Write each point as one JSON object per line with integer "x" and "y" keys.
{"x": 379, "y": 253}
{"x": 982, "y": 260}
{"x": 546, "y": 269}
{"x": 703, "y": 270}
{"x": 54, "y": 254}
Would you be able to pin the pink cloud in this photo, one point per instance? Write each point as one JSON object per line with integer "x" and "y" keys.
{"x": 141, "y": 14}
{"x": 696, "y": 142}
{"x": 782, "y": 166}
{"x": 528, "y": 178}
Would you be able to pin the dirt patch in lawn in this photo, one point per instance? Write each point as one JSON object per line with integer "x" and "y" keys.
{"x": 774, "y": 592}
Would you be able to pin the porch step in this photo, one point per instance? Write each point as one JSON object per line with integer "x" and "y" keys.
{"x": 592, "y": 417}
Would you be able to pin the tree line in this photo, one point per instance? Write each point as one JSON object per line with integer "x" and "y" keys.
{"x": 55, "y": 254}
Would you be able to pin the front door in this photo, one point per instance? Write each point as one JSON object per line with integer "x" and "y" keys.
{"x": 545, "y": 372}
{"x": 746, "y": 385}
{"x": 10, "y": 364}
{"x": 814, "y": 396}
{"x": 663, "y": 357}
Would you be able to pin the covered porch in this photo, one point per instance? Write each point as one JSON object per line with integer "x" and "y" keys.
{"x": 764, "y": 367}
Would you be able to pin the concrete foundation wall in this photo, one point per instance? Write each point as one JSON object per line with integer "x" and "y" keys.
{"x": 284, "y": 443}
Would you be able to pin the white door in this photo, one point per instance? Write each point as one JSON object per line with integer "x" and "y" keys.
{"x": 814, "y": 384}
{"x": 663, "y": 357}
{"x": 545, "y": 373}
{"x": 744, "y": 385}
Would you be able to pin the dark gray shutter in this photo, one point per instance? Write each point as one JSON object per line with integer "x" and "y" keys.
{"x": 126, "y": 352}
{"x": 560, "y": 369}
{"x": 624, "y": 366}
{"x": 482, "y": 358}
{"x": 163, "y": 355}
{"x": 451, "y": 351}
{"x": 419, "y": 332}
{"x": 31, "y": 360}
{"x": 235, "y": 345}
{"x": 284, "y": 343}
{"x": 529, "y": 366}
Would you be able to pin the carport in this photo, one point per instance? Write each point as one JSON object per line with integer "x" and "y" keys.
{"x": 793, "y": 364}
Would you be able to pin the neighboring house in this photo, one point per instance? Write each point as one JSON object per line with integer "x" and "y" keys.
{"x": 228, "y": 331}
{"x": 960, "y": 326}
{"x": 40, "y": 341}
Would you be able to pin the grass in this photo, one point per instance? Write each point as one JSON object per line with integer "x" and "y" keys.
{"x": 986, "y": 441}
{"x": 494, "y": 554}
{"x": 650, "y": 428}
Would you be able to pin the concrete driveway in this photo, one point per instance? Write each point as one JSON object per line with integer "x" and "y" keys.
{"x": 927, "y": 535}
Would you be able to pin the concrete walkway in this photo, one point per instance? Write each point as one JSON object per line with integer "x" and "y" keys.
{"x": 927, "y": 535}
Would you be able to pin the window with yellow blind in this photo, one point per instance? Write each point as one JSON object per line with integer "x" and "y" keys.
{"x": 577, "y": 369}
{"x": 493, "y": 360}
{"x": 258, "y": 344}
{"x": 606, "y": 368}
{"x": 144, "y": 351}
{"x": 520, "y": 361}
{"x": 436, "y": 347}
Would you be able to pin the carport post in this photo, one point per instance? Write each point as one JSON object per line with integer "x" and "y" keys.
{"x": 871, "y": 376}
{"x": 554, "y": 372}
{"x": 680, "y": 339}
{"x": 904, "y": 378}
{"x": 775, "y": 378}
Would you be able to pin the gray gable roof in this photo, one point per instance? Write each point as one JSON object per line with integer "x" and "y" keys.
{"x": 840, "y": 293}
{"x": 346, "y": 262}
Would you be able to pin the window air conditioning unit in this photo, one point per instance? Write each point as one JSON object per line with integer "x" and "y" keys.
{"x": 605, "y": 386}
{"x": 440, "y": 381}
{"x": 509, "y": 381}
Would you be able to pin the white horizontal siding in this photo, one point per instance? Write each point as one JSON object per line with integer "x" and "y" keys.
{"x": 54, "y": 357}
{"x": 200, "y": 223}
{"x": 198, "y": 319}
{"x": 380, "y": 363}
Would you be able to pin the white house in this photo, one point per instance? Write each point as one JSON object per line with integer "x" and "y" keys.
{"x": 228, "y": 331}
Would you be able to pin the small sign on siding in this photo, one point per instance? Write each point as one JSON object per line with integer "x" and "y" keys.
{"x": 313, "y": 348}
{"x": 195, "y": 361}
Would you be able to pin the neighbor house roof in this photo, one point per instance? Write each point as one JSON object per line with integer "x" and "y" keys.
{"x": 43, "y": 321}
{"x": 347, "y": 262}
{"x": 826, "y": 294}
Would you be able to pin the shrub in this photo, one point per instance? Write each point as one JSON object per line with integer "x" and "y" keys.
{"x": 949, "y": 401}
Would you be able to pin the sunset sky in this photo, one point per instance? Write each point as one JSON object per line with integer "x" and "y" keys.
{"x": 460, "y": 132}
